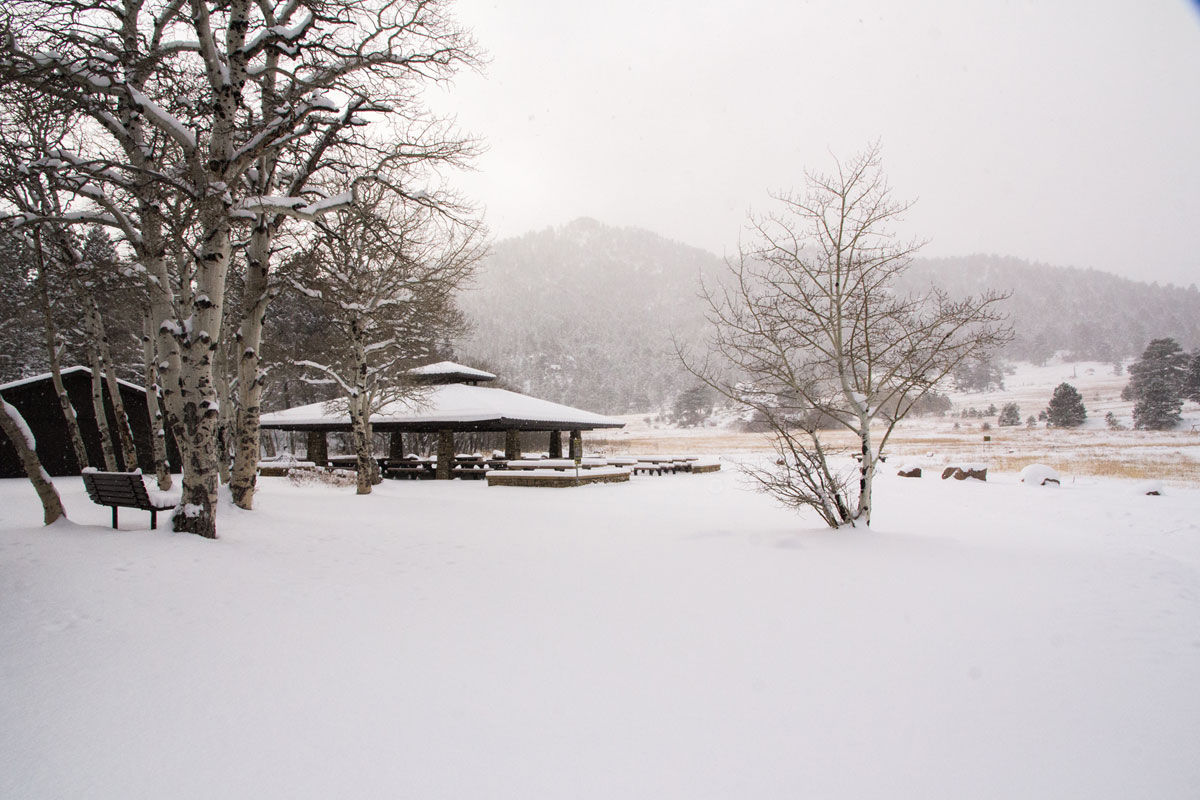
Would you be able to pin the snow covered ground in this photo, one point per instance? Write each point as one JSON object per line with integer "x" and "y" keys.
{"x": 670, "y": 637}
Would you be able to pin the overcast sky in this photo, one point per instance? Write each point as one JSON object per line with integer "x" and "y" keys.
{"x": 1061, "y": 132}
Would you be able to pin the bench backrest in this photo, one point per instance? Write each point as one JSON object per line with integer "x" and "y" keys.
{"x": 116, "y": 489}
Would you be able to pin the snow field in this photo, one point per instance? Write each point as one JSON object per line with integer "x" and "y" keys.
{"x": 669, "y": 637}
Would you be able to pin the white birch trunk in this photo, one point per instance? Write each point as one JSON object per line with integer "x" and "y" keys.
{"x": 158, "y": 433}
{"x": 124, "y": 431}
{"x": 866, "y": 471}
{"x": 51, "y": 336}
{"x": 250, "y": 378}
{"x": 106, "y": 447}
{"x": 360, "y": 412}
{"x": 201, "y": 411}
{"x": 22, "y": 439}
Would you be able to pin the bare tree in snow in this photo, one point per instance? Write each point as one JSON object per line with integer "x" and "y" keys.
{"x": 185, "y": 99}
{"x": 815, "y": 337}
{"x": 385, "y": 273}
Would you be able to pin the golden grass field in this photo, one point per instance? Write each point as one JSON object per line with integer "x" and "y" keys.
{"x": 1172, "y": 456}
{"x": 1092, "y": 450}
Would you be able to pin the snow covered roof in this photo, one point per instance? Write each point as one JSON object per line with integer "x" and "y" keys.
{"x": 65, "y": 371}
{"x": 455, "y": 406}
{"x": 449, "y": 372}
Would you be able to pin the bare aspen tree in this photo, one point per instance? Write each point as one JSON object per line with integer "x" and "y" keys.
{"x": 95, "y": 258}
{"x": 53, "y": 345}
{"x": 171, "y": 89}
{"x": 28, "y": 131}
{"x": 384, "y": 273}
{"x": 808, "y": 332}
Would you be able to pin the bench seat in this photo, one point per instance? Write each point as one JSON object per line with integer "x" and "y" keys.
{"x": 124, "y": 490}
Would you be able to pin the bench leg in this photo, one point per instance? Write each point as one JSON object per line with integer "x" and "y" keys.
{"x": 153, "y": 519}
{"x": 114, "y": 508}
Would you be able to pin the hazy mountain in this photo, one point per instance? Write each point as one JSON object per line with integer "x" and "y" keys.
{"x": 1086, "y": 314}
{"x": 584, "y": 313}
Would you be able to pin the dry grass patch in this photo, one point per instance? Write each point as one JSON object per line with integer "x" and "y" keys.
{"x": 1172, "y": 456}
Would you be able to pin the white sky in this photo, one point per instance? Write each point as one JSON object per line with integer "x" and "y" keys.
{"x": 1063, "y": 132}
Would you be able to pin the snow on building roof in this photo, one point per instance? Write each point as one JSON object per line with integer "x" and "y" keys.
{"x": 454, "y": 406}
{"x": 449, "y": 371}
{"x": 64, "y": 371}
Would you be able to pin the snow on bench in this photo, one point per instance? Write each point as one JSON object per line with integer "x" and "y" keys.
{"x": 556, "y": 478}
{"x": 127, "y": 490}
{"x": 556, "y": 463}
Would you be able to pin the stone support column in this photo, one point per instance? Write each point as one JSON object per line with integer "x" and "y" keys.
{"x": 576, "y": 445}
{"x": 396, "y": 446}
{"x": 555, "y": 444}
{"x": 318, "y": 448}
{"x": 445, "y": 455}
{"x": 512, "y": 445}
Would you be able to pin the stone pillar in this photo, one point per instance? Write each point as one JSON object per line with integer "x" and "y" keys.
{"x": 576, "y": 445}
{"x": 318, "y": 448}
{"x": 512, "y": 445}
{"x": 396, "y": 446}
{"x": 445, "y": 459}
{"x": 555, "y": 444}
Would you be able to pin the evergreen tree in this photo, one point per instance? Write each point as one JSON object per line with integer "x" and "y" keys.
{"x": 693, "y": 406}
{"x": 978, "y": 375}
{"x": 20, "y": 354}
{"x": 1066, "y": 408}
{"x": 1159, "y": 405}
{"x": 1157, "y": 385}
{"x": 1191, "y": 387}
{"x": 1010, "y": 415}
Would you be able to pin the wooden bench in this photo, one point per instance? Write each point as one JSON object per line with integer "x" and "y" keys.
{"x": 415, "y": 470}
{"x": 122, "y": 489}
{"x": 553, "y": 478}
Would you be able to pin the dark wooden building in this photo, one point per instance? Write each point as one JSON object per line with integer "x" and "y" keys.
{"x": 35, "y": 399}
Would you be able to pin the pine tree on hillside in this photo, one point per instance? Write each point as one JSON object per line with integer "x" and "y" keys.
{"x": 1159, "y": 407}
{"x": 1010, "y": 415}
{"x": 693, "y": 406}
{"x": 1157, "y": 384}
{"x": 1066, "y": 408}
{"x": 1191, "y": 388}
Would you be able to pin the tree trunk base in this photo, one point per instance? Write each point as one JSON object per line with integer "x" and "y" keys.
{"x": 201, "y": 524}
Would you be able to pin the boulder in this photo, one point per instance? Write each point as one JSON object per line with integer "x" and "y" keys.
{"x": 1040, "y": 475}
{"x": 909, "y": 471}
{"x": 960, "y": 472}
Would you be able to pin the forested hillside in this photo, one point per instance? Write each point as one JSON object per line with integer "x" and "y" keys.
{"x": 1086, "y": 314}
{"x": 584, "y": 313}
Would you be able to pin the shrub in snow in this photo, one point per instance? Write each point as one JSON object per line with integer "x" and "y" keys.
{"x": 1040, "y": 475}
{"x": 910, "y": 471}
{"x": 339, "y": 478}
